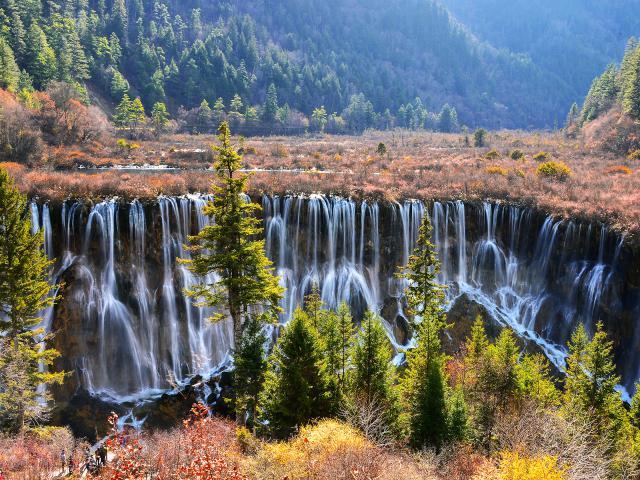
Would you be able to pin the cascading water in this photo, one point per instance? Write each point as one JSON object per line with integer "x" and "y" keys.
{"x": 130, "y": 330}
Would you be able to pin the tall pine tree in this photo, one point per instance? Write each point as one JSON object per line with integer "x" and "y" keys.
{"x": 24, "y": 294}
{"x": 228, "y": 247}
{"x": 424, "y": 384}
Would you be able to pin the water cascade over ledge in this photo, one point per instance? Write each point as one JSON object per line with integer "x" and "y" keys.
{"x": 127, "y": 331}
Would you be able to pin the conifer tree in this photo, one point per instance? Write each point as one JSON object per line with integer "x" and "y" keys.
{"x": 631, "y": 92}
{"x": 40, "y": 58}
{"x": 372, "y": 375}
{"x": 159, "y": 118}
{"x": 424, "y": 383}
{"x": 24, "y": 293}
{"x": 236, "y": 103}
{"x": 249, "y": 372}
{"x": 228, "y": 248}
{"x": 296, "y": 387}
{"x": 204, "y": 116}
{"x": 121, "y": 117}
{"x": 591, "y": 378}
{"x": 270, "y": 105}
{"x": 9, "y": 71}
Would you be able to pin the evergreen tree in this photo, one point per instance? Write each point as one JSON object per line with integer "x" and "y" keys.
{"x": 631, "y": 92}
{"x": 372, "y": 375}
{"x": 270, "y": 105}
{"x": 458, "y": 418}
{"x": 229, "y": 249}
{"x": 448, "y": 119}
{"x": 249, "y": 372}
{"x": 9, "y": 71}
{"x": 204, "y": 116}
{"x": 236, "y": 104}
{"x": 573, "y": 116}
{"x": 159, "y": 118}
{"x": 121, "y": 117}
{"x": 591, "y": 379}
{"x": 40, "y": 58}
{"x": 24, "y": 293}
{"x": 218, "y": 110}
{"x": 296, "y": 387}
{"x": 129, "y": 114}
{"x": 424, "y": 384}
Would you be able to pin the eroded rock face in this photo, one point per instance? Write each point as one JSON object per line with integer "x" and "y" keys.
{"x": 126, "y": 330}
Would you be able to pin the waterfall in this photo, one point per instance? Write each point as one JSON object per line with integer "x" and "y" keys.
{"x": 133, "y": 332}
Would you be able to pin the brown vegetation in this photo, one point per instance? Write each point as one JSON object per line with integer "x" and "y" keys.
{"x": 603, "y": 185}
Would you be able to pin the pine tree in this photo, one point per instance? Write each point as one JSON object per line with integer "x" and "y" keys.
{"x": 458, "y": 418}
{"x": 159, "y": 118}
{"x": 9, "y": 71}
{"x": 631, "y": 95}
{"x": 121, "y": 117}
{"x": 372, "y": 375}
{"x": 424, "y": 384}
{"x": 204, "y": 116}
{"x": 236, "y": 104}
{"x": 40, "y": 58}
{"x": 270, "y": 105}
{"x": 573, "y": 115}
{"x": 218, "y": 110}
{"x": 228, "y": 248}
{"x": 249, "y": 372}
{"x": 296, "y": 387}
{"x": 591, "y": 378}
{"x": 24, "y": 293}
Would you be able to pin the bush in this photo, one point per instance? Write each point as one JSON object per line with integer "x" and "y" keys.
{"x": 541, "y": 156}
{"x": 555, "y": 170}
{"x": 514, "y": 466}
{"x": 516, "y": 154}
{"x": 327, "y": 450}
{"x": 497, "y": 170}
{"x": 480, "y": 137}
{"x": 492, "y": 154}
{"x": 634, "y": 155}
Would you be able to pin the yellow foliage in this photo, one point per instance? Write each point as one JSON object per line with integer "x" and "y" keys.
{"x": 497, "y": 170}
{"x": 329, "y": 446}
{"x": 514, "y": 466}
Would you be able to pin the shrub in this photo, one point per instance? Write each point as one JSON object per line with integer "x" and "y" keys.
{"x": 541, "y": 156}
{"x": 337, "y": 157}
{"x": 514, "y": 466}
{"x": 492, "y": 154}
{"x": 634, "y": 155}
{"x": 555, "y": 170}
{"x": 382, "y": 149}
{"x": 619, "y": 170}
{"x": 497, "y": 170}
{"x": 280, "y": 151}
{"x": 480, "y": 137}
{"x": 328, "y": 450}
{"x": 516, "y": 154}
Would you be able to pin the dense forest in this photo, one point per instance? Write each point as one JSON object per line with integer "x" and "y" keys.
{"x": 356, "y": 64}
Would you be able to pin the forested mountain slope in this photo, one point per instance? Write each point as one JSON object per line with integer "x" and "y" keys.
{"x": 573, "y": 40}
{"x": 315, "y": 53}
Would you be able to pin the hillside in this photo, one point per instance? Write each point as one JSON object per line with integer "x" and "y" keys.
{"x": 571, "y": 41}
{"x": 313, "y": 53}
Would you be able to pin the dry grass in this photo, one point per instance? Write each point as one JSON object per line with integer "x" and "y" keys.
{"x": 604, "y": 186}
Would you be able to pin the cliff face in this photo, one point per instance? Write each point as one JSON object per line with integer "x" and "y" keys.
{"x": 126, "y": 330}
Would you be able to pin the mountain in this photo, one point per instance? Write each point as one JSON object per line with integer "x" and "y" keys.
{"x": 571, "y": 40}
{"x": 314, "y": 53}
